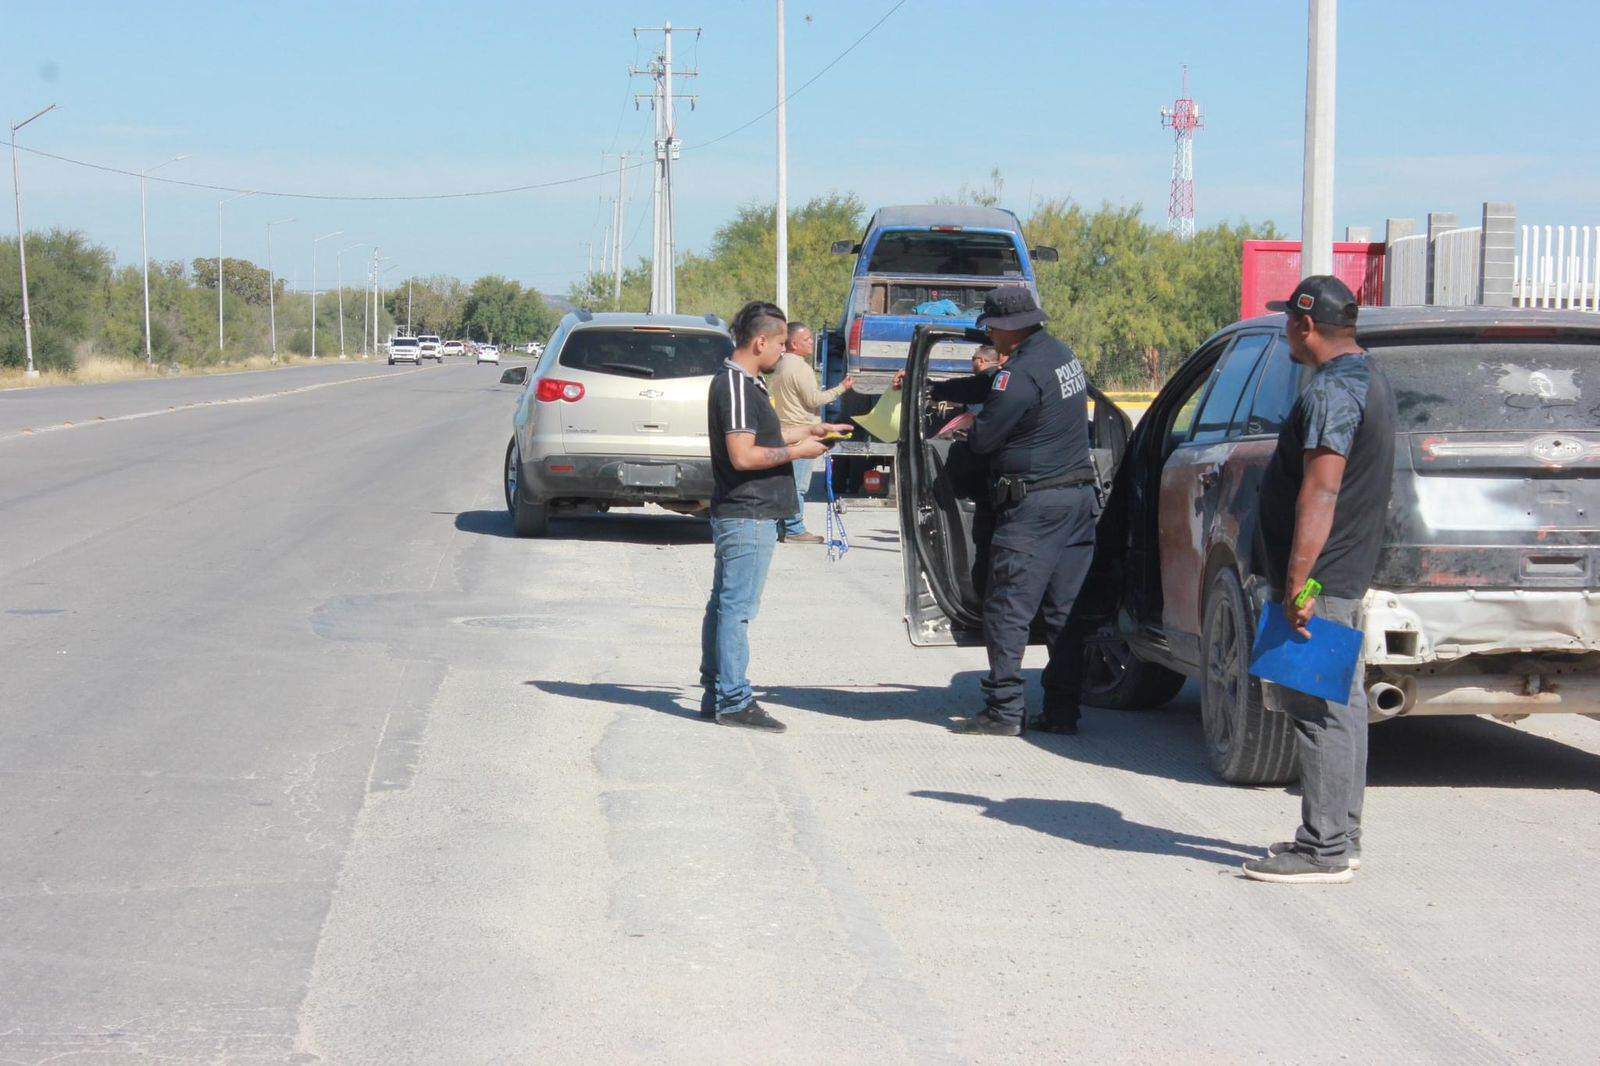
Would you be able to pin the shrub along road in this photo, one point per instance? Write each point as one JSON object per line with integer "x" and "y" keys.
{"x": 302, "y": 755}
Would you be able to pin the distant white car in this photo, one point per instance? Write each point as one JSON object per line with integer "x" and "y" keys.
{"x": 488, "y": 353}
{"x": 453, "y": 348}
{"x": 430, "y": 346}
{"x": 404, "y": 350}
{"x": 535, "y": 348}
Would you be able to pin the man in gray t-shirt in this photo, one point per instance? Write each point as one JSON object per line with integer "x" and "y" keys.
{"x": 1324, "y": 498}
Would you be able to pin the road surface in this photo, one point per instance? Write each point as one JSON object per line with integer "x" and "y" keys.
{"x": 303, "y": 758}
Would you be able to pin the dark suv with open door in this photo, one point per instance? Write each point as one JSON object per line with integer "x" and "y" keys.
{"x": 1487, "y": 594}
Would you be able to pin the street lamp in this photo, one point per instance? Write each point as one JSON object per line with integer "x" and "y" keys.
{"x": 220, "y": 204}
{"x": 314, "y": 242}
{"x": 144, "y": 247}
{"x": 22, "y": 252}
{"x": 338, "y": 270}
{"x": 369, "y": 297}
{"x": 377, "y": 296}
{"x": 272, "y": 287}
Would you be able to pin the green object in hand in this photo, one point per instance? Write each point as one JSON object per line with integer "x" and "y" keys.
{"x": 1312, "y": 590}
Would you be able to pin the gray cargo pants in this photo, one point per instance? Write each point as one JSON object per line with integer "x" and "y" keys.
{"x": 1332, "y": 742}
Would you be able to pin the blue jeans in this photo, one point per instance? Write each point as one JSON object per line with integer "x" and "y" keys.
{"x": 743, "y": 552}
{"x": 793, "y": 527}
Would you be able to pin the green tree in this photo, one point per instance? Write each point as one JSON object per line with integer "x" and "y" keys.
{"x": 501, "y": 310}
{"x": 245, "y": 279}
{"x": 65, "y": 274}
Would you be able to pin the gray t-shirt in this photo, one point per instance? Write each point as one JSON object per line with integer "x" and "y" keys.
{"x": 1347, "y": 408}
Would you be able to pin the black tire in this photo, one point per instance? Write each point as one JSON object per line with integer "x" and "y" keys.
{"x": 1115, "y": 678}
{"x": 1246, "y": 744}
{"x": 527, "y": 519}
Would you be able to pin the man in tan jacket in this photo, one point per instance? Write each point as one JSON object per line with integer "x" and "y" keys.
{"x": 799, "y": 402}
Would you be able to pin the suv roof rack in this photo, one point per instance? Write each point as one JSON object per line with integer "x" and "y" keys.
{"x": 584, "y": 314}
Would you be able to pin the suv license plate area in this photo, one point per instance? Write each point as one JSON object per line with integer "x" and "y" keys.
{"x": 643, "y": 476}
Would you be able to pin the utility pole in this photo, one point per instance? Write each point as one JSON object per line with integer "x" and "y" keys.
{"x": 272, "y": 288}
{"x": 1316, "y": 197}
{"x": 663, "y": 288}
{"x": 618, "y": 214}
{"x": 783, "y": 171}
{"x": 220, "y": 205}
{"x": 314, "y": 242}
{"x": 408, "y": 307}
{"x": 144, "y": 248}
{"x": 22, "y": 251}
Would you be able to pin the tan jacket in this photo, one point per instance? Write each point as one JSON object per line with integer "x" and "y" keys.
{"x": 795, "y": 394}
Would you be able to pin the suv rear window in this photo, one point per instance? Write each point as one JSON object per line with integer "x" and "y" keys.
{"x": 984, "y": 255}
{"x": 646, "y": 353}
{"x": 1487, "y": 386}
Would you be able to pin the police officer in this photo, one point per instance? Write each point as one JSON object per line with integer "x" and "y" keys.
{"x": 1034, "y": 432}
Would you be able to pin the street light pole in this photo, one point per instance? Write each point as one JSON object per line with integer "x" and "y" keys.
{"x": 408, "y": 307}
{"x": 1316, "y": 198}
{"x": 220, "y": 204}
{"x": 272, "y": 288}
{"x": 783, "y": 172}
{"x": 22, "y": 251}
{"x": 338, "y": 270}
{"x": 144, "y": 248}
{"x": 314, "y": 242}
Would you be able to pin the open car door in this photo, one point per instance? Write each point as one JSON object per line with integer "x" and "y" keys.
{"x": 937, "y": 546}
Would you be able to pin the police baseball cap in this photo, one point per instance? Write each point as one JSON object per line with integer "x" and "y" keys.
{"x": 1321, "y": 297}
{"x": 1011, "y": 307}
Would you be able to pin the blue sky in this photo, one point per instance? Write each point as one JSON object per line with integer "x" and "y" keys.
{"x": 1440, "y": 107}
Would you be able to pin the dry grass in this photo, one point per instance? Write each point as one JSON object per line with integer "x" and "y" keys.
{"x": 98, "y": 370}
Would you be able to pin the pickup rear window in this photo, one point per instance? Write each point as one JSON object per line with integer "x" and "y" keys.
{"x": 984, "y": 255}
{"x": 944, "y": 301}
{"x": 1486, "y": 386}
{"x": 646, "y": 353}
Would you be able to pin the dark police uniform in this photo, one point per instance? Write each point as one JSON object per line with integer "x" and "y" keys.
{"x": 1034, "y": 431}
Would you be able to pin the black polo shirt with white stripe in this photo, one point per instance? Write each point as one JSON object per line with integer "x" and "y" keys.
{"x": 739, "y": 404}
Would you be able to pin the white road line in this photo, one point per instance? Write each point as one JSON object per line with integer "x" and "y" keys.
{"x": 34, "y": 431}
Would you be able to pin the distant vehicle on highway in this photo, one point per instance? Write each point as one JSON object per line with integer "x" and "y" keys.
{"x": 404, "y": 350}
{"x": 614, "y": 415}
{"x": 431, "y": 347}
{"x": 534, "y": 348}
{"x": 1484, "y": 601}
{"x": 453, "y": 348}
{"x": 488, "y": 353}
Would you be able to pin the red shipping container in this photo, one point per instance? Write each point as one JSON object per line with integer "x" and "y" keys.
{"x": 1271, "y": 270}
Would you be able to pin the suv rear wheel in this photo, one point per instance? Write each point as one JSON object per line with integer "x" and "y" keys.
{"x": 1245, "y": 743}
{"x": 1115, "y": 678}
{"x": 527, "y": 519}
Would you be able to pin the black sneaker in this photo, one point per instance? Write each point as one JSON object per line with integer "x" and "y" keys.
{"x": 1060, "y": 726}
{"x": 754, "y": 716}
{"x": 1295, "y": 868}
{"x": 1354, "y": 856}
{"x": 988, "y": 725}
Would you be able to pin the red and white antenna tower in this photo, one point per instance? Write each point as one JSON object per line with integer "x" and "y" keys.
{"x": 1182, "y": 118}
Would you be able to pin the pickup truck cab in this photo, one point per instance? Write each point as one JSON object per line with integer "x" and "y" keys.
{"x": 917, "y": 265}
{"x": 922, "y": 265}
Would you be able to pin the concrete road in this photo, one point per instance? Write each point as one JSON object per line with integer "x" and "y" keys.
{"x": 303, "y": 758}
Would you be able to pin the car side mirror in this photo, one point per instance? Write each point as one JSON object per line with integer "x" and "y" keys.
{"x": 845, "y": 247}
{"x": 517, "y": 375}
{"x": 1045, "y": 254}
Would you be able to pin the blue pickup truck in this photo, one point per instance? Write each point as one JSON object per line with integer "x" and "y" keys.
{"x": 925, "y": 263}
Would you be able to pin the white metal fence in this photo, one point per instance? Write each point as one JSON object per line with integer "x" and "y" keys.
{"x": 1558, "y": 266}
{"x": 1456, "y": 255}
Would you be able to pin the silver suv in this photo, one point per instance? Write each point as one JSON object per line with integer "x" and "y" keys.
{"x": 613, "y": 414}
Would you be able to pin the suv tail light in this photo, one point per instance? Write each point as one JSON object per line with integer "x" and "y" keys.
{"x": 551, "y": 389}
{"x": 853, "y": 348}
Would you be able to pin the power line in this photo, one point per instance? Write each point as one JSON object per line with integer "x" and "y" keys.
{"x": 468, "y": 194}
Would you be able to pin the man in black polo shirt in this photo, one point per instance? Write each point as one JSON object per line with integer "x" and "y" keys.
{"x": 751, "y": 455}
{"x": 1324, "y": 500}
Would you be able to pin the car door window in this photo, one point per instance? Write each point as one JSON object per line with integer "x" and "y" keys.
{"x": 1276, "y": 394}
{"x": 1229, "y": 380}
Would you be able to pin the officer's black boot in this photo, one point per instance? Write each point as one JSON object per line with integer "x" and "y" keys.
{"x": 988, "y": 725}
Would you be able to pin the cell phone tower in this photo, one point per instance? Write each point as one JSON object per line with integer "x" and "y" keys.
{"x": 1182, "y": 118}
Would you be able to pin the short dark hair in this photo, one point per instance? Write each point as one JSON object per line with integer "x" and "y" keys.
{"x": 757, "y": 319}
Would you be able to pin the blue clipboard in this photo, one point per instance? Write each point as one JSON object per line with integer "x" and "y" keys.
{"x": 1323, "y": 666}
